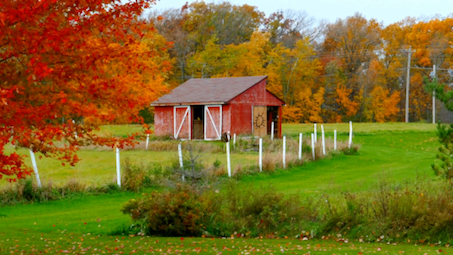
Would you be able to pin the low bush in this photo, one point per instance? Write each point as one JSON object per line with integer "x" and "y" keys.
{"x": 170, "y": 213}
{"x": 230, "y": 211}
{"x": 420, "y": 212}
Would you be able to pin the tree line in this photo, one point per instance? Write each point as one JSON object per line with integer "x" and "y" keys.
{"x": 69, "y": 66}
{"x": 352, "y": 69}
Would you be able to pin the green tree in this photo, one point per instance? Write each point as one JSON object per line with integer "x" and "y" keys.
{"x": 444, "y": 132}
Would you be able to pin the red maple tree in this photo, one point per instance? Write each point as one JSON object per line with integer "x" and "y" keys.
{"x": 63, "y": 62}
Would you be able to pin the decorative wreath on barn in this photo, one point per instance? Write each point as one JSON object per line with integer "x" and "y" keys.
{"x": 259, "y": 121}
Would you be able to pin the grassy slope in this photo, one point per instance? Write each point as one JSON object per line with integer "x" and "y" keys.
{"x": 400, "y": 154}
{"x": 81, "y": 226}
{"x": 97, "y": 166}
{"x": 398, "y": 157}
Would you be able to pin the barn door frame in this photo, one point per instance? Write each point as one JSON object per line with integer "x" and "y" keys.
{"x": 209, "y": 120}
{"x": 186, "y": 118}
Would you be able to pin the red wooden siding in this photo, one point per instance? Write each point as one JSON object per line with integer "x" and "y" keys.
{"x": 241, "y": 108}
{"x": 226, "y": 118}
{"x": 163, "y": 121}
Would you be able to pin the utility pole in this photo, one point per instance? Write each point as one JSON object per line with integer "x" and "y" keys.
{"x": 434, "y": 95}
{"x": 409, "y": 54}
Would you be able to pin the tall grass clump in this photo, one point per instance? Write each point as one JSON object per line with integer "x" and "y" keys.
{"x": 26, "y": 191}
{"x": 254, "y": 211}
{"x": 419, "y": 211}
{"x": 138, "y": 176}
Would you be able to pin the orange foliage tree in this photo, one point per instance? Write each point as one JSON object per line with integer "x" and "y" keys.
{"x": 63, "y": 61}
{"x": 383, "y": 106}
{"x": 346, "y": 106}
{"x": 307, "y": 107}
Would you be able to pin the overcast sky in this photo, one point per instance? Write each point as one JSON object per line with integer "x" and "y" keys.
{"x": 386, "y": 11}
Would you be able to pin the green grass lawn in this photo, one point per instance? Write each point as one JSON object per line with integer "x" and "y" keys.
{"x": 379, "y": 151}
{"x": 397, "y": 157}
{"x": 398, "y": 152}
{"x": 82, "y": 226}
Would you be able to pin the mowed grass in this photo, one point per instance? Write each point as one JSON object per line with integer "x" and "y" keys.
{"x": 98, "y": 166}
{"x": 398, "y": 152}
{"x": 397, "y": 157}
{"x": 83, "y": 226}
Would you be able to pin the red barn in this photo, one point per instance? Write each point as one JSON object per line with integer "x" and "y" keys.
{"x": 207, "y": 108}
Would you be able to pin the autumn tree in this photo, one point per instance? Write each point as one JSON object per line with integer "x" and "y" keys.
{"x": 194, "y": 25}
{"x": 170, "y": 24}
{"x": 378, "y": 102}
{"x": 288, "y": 27}
{"x": 231, "y": 24}
{"x": 292, "y": 76}
{"x": 65, "y": 61}
{"x": 430, "y": 40}
{"x": 352, "y": 42}
{"x": 208, "y": 62}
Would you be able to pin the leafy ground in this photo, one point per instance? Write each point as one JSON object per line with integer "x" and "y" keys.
{"x": 399, "y": 152}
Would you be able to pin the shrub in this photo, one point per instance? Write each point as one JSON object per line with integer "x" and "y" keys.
{"x": 170, "y": 213}
{"x": 185, "y": 212}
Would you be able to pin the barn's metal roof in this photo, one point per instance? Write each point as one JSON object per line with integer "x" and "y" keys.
{"x": 208, "y": 91}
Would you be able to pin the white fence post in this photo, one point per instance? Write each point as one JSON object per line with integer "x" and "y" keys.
{"x": 147, "y": 141}
{"x": 35, "y": 167}
{"x": 261, "y": 155}
{"x": 315, "y": 129}
{"x": 300, "y": 145}
{"x": 75, "y": 133}
{"x": 118, "y": 170}
{"x": 181, "y": 164}
{"x": 323, "y": 140}
{"x": 313, "y": 145}
{"x": 350, "y": 134}
{"x": 272, "y": 130}
{"x": 284, "y": 151}
{"x": 335, "y": 139}
{"x": 234, "y": 139}
{"x": 228, "y": 155}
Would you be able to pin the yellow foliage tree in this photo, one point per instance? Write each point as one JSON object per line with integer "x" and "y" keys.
{"x": 307, "y": 108}
{"x": 384, "y": 107}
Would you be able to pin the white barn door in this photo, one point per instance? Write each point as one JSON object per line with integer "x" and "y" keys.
{"x": 212, "y": 122}
{"x": 182, "y": 122}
